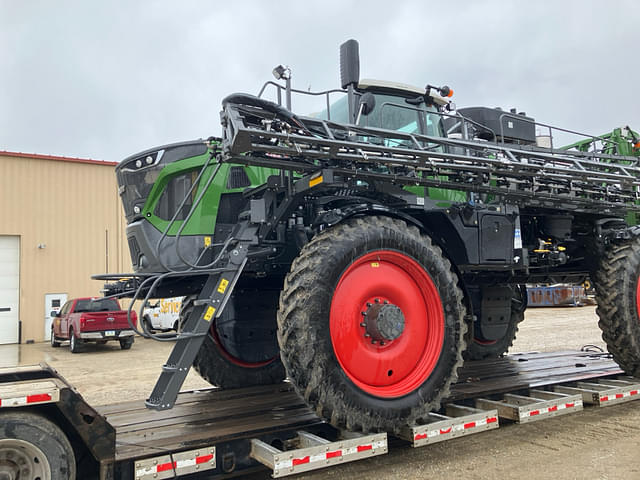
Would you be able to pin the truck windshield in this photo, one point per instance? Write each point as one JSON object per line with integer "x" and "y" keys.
{"x": 392, "y": 112}
{"x": 97, "y": 305}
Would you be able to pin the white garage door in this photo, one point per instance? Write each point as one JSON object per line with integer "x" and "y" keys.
{"x": 9, "y": 288}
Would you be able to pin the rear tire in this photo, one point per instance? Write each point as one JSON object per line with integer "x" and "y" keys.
{"x": 328, "y": 353}
{"x": 125, "y": 343}
{"x": 617, "y": 289}
{"x": 219, "y": 367}
{"x": 54, "y": 342}
{"x": 477, "y": 349}
{"x": 74, "y": 343}
{"x": 33, "y": 447}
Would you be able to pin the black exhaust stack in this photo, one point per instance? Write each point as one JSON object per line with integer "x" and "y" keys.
{"x": 350, "y": 72}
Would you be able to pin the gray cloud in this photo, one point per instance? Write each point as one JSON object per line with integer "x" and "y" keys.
{"x": 103, "y": 80}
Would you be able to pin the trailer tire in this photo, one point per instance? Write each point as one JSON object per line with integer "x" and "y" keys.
{"x": 328, "y": 353}
{"x": 617, "y": 288}
{"x": 32, "y": 446}
{"x": 215, "y": 365}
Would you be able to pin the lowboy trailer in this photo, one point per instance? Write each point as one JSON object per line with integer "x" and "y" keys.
{"x": 48, "y": 431}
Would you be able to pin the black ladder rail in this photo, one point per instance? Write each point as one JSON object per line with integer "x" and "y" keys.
{"x": 208, "y": 306}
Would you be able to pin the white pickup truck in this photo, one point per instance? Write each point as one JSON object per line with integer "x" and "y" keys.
{"x": 162, "y": 314}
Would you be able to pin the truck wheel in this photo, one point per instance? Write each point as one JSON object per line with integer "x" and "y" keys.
{"x": 617, "y": 287}
{"x": 479, "y": 348}
{"x": 33, "y": 447}
{"x": 371, "y": 324}
{"x": 220, "y": 365}
{"x": 54, "y": 343}
{"x": 74, "y": 343}
{"x": 125, "y": 343}
{"x": 147, "y": 323}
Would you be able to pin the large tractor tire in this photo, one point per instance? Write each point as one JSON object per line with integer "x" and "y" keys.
{"x": 618, "y": 296}
{"x": 480, "y": 348}
{"x": 371, "y": 324}
{"x": 241, "y": 349}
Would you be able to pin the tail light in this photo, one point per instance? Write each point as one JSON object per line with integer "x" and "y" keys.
{"x": 83, "y": 321}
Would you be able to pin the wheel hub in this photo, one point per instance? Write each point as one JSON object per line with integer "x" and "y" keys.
{"x": 20, "y": 459}
{"x": 383, "y": 322}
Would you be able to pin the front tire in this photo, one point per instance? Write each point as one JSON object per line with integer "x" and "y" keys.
{"x": 617, "y": 289}
{"x": 33, "y": 447}
{"x": 371, "y": 324}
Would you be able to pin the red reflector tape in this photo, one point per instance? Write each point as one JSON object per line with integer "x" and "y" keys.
{"x": 444, "y": 431}
{"x": 492, "y": 420}
{"x": 41, "y": 397}
{"x": 337, "y": 453}
{"x": 604, "y": 399}
{"x": 534, "y": 412}
{"x": 619, "y": 395}
{"x": 420, "y": 436}
{"x": 469, "y": 425}
{"x": 570, "y": 405}
{"x": 363, "y": 448}
{"x": 163, "y": 467}
{"x": 301, "y": 461}
{"x": 633, "y": 392}
{"x": 204, "y": 459}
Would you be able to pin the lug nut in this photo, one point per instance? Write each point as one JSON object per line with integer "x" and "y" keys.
{"x": 368, "y": 304}
{"x": 377, "y": 300}
{"x": 364, "y": 314}
{"x": 363, "y": 324}
{"x": 366, "y": 335}
{"x": 373, "y": 341}
{"x": 381, "y": 343}
{"x": 386, "y": 302}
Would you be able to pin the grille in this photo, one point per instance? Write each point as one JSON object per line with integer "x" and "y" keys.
{"x": 237, "y": 178}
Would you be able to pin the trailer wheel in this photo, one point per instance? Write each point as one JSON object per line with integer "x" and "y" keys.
{"x": 33, "y": 447}
{"x": 125, "y": 343}
{"x": 218, "y": 364}
{"x": 371, "y": 324}
{"x": 479, "y": 348}
{"x": 54, "y": 342}
{"x": 74, "y": 343}
{"x": 617, "y": 285}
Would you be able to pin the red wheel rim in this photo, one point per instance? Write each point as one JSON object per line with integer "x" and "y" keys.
{"x": 232, "y": 359}
{"x": 400, "y": 366}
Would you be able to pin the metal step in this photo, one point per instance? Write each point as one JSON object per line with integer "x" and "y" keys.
{"x": 315, "y": 452}
{"x": 537, "y": 405}
{"x": 458, "y": 420}
{"x": 604, "y": 392}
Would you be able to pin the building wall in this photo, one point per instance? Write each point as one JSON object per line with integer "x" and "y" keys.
{"x": 71, "y": 209}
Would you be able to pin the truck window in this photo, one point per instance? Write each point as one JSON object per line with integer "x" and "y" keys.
{"x": 98, "y": 305}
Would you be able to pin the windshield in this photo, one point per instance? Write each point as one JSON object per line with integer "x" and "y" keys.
{"x": 97, "y": 305}
{"x": 392, "y": 112}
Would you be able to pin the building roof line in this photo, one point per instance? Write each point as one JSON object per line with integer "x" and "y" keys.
{"x": 58, "y": 158}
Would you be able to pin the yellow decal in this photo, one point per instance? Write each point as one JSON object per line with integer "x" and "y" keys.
{"x": 207, "y": 241}
{"x": 223, "y": 285}
{"x": 315, "y": 181}
{"x": 375, "y": 264}
{"x": 209, "y": 315}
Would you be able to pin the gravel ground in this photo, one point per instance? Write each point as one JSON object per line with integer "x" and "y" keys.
{"x": 596, "y": 443}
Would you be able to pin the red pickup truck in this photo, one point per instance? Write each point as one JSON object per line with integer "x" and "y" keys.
{"x": 92, "y": 320}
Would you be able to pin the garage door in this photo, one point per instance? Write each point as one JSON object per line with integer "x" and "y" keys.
{"x": 9, "y": 288}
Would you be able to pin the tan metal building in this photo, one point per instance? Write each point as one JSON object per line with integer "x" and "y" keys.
{"x": 60, "y": 222}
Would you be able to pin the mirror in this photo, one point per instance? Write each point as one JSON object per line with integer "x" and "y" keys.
{"x": 367, "y": 103}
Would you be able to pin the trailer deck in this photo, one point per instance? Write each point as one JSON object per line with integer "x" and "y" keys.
{"x": 220, "y": 433}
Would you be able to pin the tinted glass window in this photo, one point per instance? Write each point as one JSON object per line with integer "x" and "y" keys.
{"x": 173, "y": 195}
{"x": 97, "y": 305}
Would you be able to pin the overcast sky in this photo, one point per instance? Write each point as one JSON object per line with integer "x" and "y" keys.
{"x": 106, "y": 79}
